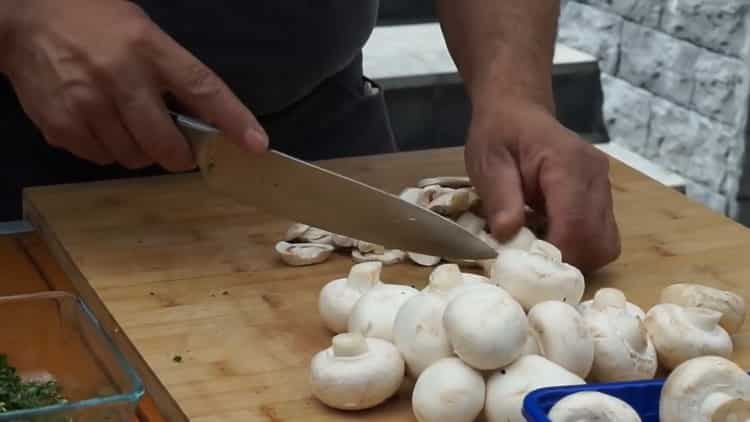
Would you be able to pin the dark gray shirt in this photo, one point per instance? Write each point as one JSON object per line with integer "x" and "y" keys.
{"x": 270, "y": 52}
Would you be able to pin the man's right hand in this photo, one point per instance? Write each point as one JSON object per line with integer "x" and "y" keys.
{"x": 92, "y": 75}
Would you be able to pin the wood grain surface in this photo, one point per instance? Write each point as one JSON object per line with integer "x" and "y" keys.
{"x": 184, "y": 272}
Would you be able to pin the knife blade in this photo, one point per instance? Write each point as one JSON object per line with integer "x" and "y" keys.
{"x": 291, "y": 188}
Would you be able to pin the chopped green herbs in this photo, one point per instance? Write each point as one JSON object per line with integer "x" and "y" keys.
{"x": 16, "y": 394}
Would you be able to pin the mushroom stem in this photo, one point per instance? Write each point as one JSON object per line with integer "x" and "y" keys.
{"x": 721, "y": 407}
{"x": 365, "y": 275}
{"x": 609, "y": 297}
{"x": 349, "y": 345}
{"x": 445, "y": 277}
{"x": 706, "y": 319}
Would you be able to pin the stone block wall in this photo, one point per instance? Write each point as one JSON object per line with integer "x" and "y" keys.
{"x": 676, "y": 83}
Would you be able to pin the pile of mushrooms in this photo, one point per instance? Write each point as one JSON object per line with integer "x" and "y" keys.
{"x": 472, "y": 343}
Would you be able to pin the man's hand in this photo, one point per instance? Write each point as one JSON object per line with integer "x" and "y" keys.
{"x": 92, "y": 74}
{"x": 520, "y": 155}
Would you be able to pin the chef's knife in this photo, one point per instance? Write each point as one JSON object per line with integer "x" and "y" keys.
{"x": 302, "y": 192}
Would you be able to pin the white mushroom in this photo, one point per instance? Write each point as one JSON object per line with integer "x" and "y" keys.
{"x": 680, "y": 334}
{"x": 418, "y": 330}
{"x": 295, "y": 231}
{"x": 341, "y": 241}
{"x": 423, "y": 260}
{"x": 706, "y": 389}
{"x": 531, "y": 347}
{"x": 506, "y": 388}
{"x": 532, "y": 278}
{"x": 471, "y": 222}
{"x": 355, "y": 372}
{"x": 731, "y": 305}
{"x": 524, "y": 240}
{"x": 623, "y": 350}
{"x": 446, "y": 182}
{"x": 387, "y": 257}
{"x": 546, "y": 249}
{"x": 562, "y": 336}
{"x": 487, "y": 328}
{"x": 592, "y": 406}
{"x": 451, "y": 202}
{"x": 448, "y": 390}
{"x": 299, "y": 254}
{"x": 375, "y": 312}
{"x": 338, "y": 297}
{"x": 612, "y": 297}
{"x": 416, "y": 196}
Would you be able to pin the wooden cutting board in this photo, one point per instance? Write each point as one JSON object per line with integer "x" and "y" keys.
{"x": 174, "y": 270}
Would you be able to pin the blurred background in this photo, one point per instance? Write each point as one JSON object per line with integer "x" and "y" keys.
{"x": 661, "y": 84}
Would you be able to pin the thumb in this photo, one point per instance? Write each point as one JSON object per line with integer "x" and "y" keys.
{"x": 497, "y": 178}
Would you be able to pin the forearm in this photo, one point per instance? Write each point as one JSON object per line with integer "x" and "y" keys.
{"x": 503, "y": 49}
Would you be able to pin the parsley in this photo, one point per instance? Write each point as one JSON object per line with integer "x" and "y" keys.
{"x": 16, "y": 394}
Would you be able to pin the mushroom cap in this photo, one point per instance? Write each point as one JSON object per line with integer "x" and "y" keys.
{"x": 375, "y": 312}
{"x": 623, "y": 350}
{"x": 295, "y": 231}
{"x": 507, "y": 388}
{"x": 471, "y": 222}
{"x": 351, "y": 376}
{"x": 341, "y": 241}
{"x": 680, "y": 334}
{"x": 532, "y": 278}
{"x": 338, "y": 297}
{"x": 531, "y": 347}
{"x": 731, "y": 305}
{"x": 418, "y": 332}
{"x": 592, "y": 406}
{"x": 299, "y": 254}
{"x": 546, "y": 249}
{"x": 563, "y": 336}
{"x": 524, "y": 239}
{"x": 448, "y": 390}
{"x": 487, "y": 328}
{"x": 700, "y": 386}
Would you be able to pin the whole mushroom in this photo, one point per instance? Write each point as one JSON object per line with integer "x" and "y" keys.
{"x": 486, "y": 327}
{"x": 731, "y": 305}
{"x": 706, "y": 389}
{"x": 680, "y": 334}
{"x": 338, "y": 297}
{"x": 418, "y": 330}
{"x": 533, "y": 277}
{"x": 507, "y": 387}
{"x": 562, "y": 336}
{"x": 355, "y": 372}
{"x": 448, "y": 390}
{"x": 623, "y": 350}
{"x": 613, "y": 297}
{"x": 375, "y": 312}
{"x": 592, "y": 406}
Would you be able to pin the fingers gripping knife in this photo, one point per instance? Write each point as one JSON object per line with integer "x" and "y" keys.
{"x": 302, "y": 192}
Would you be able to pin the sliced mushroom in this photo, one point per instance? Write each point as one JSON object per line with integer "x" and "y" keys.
{"x": 706, "y": 389}
{"x": 417, "y": 196}
{"x": 471, "y": 222}
{"x": 731, "y": 306}
{"x": 424, "y": 260}
{"x": 300, "y": 254}
{"x": 295, "y": 231}
{"x": 367, "y": 247}
{"x": 680, "y": 334}
{"x": 446, "y": 182}
{"x": 591, "y": 406}
{"x": 387, "y": 257}
{"x": 340, "y": 241}
{"x": 451, "y": 202}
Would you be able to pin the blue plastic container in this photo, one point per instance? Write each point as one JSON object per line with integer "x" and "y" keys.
{"x": 643, "y": 396}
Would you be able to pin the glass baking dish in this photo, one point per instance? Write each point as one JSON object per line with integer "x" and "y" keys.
{"x": 56, "y": 333}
